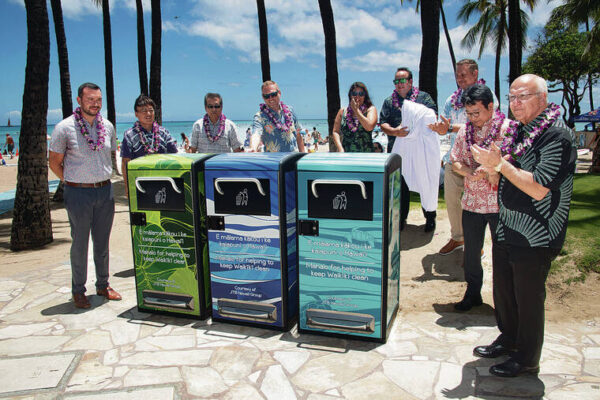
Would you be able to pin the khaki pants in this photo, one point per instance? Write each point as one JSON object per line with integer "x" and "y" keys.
{"x": 453, "y": 190}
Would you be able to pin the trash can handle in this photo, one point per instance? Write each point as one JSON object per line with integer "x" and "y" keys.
{"x": 154, "y": 179}
{"x": 316, "y": 182}
{"x": 253, "y": 180}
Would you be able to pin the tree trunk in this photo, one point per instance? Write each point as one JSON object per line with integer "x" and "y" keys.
{"x": 155, "y": 59}
{"x": 331, "y": 70}
{"x": 31, "y": 224}
{"x": 264, "y": 40}
{"x": 108, "y": 71}
{"x": 499, "y": 46}
{"x": 587, "y": 29}
{"x": 430, "y": 27}
{"x": 448, "y": 39}
{"x": 65, "y": 77}
{"x": 515, "y": 37}
{"x": 141, "y": 44}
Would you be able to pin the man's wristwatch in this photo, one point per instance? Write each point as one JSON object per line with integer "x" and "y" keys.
{"x": 498, "y": 167}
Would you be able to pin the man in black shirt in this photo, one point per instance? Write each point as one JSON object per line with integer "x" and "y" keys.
{"x": 534, "y": 194}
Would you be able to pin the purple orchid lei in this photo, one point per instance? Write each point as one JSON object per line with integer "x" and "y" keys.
{"x": 100, "y": 131}
{"x": 137, "y": 128}
{"x": 497, "y": 121}
{"x": 539, "y": 124}
{"x": 351, "y": 120}
{"x": 396, "y": 97}
{"x": 220, "y": 130}
{"x": 287, "y": 117}
{"x": 455, "y": 98}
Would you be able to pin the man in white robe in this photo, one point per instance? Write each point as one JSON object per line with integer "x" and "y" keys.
{"x": 420, "y": 152}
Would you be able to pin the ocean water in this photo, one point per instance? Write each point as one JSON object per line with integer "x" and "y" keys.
{"x": 174, "y": 127}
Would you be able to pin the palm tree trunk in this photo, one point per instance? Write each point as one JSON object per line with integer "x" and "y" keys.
{"x": 587, "y": 29}
{"x": 515, "y": 37}
{"x": 264, "y": 40}
{"x": 65, "y": 77}
{"x": 499, "y": 46}
{"x": 108, "y": 71}
{"x": 155, "y": 59}
{"x": 331, "y": 70}
{"x": 430, "y": 28}
{"x": 447, "y": 33}
{"x": 141, "y": 44}
{"x": 31, "y": 224}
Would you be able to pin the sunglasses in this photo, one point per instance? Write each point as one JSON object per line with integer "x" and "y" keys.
{"x": 356, "y": 93}
{"x": 214, "y": 107}
{"x": 401, "y": 80}
{"x": 269, "y": 95}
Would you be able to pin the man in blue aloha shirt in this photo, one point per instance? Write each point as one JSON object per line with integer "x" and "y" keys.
{"x": 275, "y": 124}
{"x": 145, "y": 137}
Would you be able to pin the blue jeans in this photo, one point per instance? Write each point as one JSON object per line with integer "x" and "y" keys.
{"x": 90, "y": 210}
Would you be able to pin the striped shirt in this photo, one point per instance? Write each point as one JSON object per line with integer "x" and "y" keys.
{"x": 225, "y": 144}
{"x": 133, "y": 148}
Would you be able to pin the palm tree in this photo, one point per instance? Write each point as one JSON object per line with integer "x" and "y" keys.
{"x": 108, "y": 70}
{"x": 264, "y": 40}
{"x": 515, "y": 40}
{"x": 31, "y": 224}
{"x": 447, "y": 33}
{"x": 141, "y": 43}
{"x": 155, "y": 59}
{"x": 331, "y": 70}
{"x": 65, "y": 78}
{"x": 491, "y": 26}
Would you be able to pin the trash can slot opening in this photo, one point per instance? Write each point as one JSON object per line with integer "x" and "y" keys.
{"x": 340, "y": 320}
{"x": 226, "y": 179}
{"x": 316, "y": 182}
{"x": 155, "y": 179}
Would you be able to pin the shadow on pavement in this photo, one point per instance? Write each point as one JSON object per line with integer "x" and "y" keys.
{"x": 478, "y": 316}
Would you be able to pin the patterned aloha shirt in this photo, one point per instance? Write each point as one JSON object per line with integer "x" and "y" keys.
{"x": 479, "y": 196}
{"x": 360, "y": 141}
{"x": 274, "y": 139}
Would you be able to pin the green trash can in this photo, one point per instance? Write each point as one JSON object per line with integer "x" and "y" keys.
{"x": 168, "y": 232}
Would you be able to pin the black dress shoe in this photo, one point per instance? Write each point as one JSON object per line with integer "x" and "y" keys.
{"x": 468, "y": 302}
{"x": 510, "y": 369}
{"x": 491, "y": 351}
{"x": 430, "y": 225}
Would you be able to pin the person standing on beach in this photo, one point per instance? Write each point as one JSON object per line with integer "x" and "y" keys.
{"x": 353, "y": 126}
{"x": 145, "y": 137}
{"x": 215, "y": 133}
{"x": 480, "y": 199}
{"x": 275, "y": 124}
{"x": 10, "y": 145}
{"x": 390, "y": 119}
{"x": 80, "y": 155}
{"x": 453, "y": 118}
{"x": 534, "y": 195}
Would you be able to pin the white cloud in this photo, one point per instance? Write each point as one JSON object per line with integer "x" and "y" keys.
{"x": 78, "y": 8}
{"x": 379, "y": 60}
{"x": 354, "y": 26}
{"x": 400, "y": 18}
{"x": 541, "y": 13}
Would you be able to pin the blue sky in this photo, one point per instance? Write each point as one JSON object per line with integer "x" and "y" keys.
{"x": 214, "y": 46}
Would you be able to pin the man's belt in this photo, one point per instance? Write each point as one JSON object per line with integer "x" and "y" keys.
{"x": 88, "y": 185}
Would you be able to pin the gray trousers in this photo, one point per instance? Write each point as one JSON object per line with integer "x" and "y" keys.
{"x": 90, "y": 210}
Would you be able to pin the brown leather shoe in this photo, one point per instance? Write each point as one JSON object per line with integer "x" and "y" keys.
{"x": 451, "y": 246}
{"x": 109, "y": 293}
{"x": 81, "y": 301}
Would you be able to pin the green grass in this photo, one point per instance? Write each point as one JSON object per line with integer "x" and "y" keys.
{"x": 581, "y": 252}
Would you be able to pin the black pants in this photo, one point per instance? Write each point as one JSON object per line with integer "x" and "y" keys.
{"x": 405, "y": 203}
{"x": 519, "y": 294}
{"x": 474, "y": 233}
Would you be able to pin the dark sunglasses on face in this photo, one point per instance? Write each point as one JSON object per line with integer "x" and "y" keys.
{"x": 356, "y": 93}
{"x": 401, "y": 80}
{"x": 269, "y": 95}
{"x": 214, "y": 107}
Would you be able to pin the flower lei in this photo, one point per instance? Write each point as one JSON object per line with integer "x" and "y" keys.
{"x": 539, "y": 125}
{"x": 100, "y": 131}
{"x": 220, "y": 130}
{"x": 351, "y": 120}
{"x": 455, "y": 98}
{"x": 497, "y": 121}
{"x": 137, "y": 128}
{"x": 396, "y": 97}
{"x": 287, "y": 117}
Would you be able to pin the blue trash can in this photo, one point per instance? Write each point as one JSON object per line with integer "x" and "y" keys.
{"x": 349, "y": 243}
{"x": 251, "y": 208}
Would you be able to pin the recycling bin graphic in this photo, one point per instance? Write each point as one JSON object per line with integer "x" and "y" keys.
{"x": 251, "y": 208}
{"x": 168, "y": 232}
{"x": 348, "y": 243}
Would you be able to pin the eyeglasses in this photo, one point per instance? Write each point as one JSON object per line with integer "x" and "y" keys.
{"x": 217, "y": 106}
{"x": 146, "y": 111}
{"x": 356, "y": 93}
{"x": 269, "y": 95}
{"x": 401, "y": 80}
{"x": 471, "y": 115}
{"x": 521, "y": 97}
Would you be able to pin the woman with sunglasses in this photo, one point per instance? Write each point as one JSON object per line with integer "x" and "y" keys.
{"x": 354, "y": 124}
